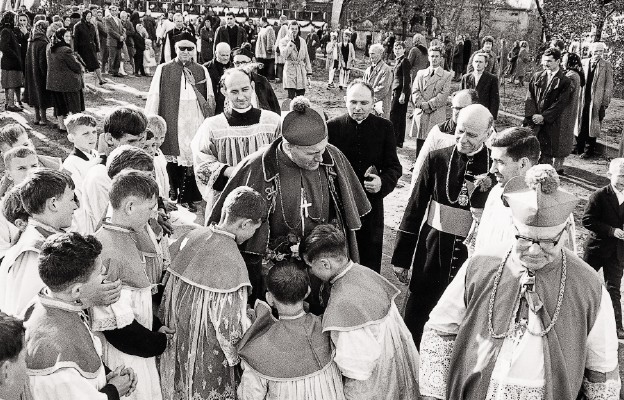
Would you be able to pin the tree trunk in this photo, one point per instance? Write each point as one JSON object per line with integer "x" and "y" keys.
{"x": 545, "y": 25}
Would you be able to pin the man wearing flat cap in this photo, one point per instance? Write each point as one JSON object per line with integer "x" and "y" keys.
{"x": 224, "y": 140}
{"x": 306, "y": 182}
{"x": 534, "y": 323}
{"x": 450, "y": 189}
{"x": 181, "y": 93}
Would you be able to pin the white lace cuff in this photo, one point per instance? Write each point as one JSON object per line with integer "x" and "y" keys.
{"x": 435, "y": 363}
{"x": 498, "y": 390}
{"x": 115, "y": 316}
{"x": 608, "y": 390}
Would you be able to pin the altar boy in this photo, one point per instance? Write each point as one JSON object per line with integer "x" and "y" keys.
{"x": 374, "y": 349}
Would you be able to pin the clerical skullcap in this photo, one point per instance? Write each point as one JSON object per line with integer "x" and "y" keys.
{"x": 303, "y": 125}
{"x": 616, "y": 167}
{"x": 537, "y": 200}
{"x": 185, "y": 36}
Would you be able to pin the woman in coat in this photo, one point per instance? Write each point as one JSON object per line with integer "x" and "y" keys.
{"x": 206, "y": 35}
{"x": 346, "y": 57}
{"x": 86, "y": 44}
{"x": 22, "y": 33}
{"x": 297, "y": 65}
{"x": 512, "y": 58}
{"x": 12, "y": 77}
{"x": 35, "y": 94}
{"x": 418, "y": 56}
{"x": 64, "y": 78}
{"x": 522, "y": 63}
{"x": 569, "y": 121}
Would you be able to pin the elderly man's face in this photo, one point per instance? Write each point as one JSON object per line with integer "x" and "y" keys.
{"x": 178, "y": 20}
{"x": 222, "y": 54}
{"x": 359, "y": 102}
{"x": 230, "y": 21}
{"x": 238, "y": 90}
{"x": 375, "y": 54}
{"x": 536, "y": 247}
{"x": 308, "y": 157}
{"x": 185, "y": 51}
{"x": 471, "y": 132}
{"x": 597, "y": 54}
{"x": 123, "y": 16}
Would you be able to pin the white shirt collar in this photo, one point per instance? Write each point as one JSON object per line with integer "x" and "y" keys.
{"x": 343, "y": 273}
{"x": 291, "y": 317}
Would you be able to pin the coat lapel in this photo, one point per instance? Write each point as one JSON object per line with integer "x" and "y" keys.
{"x": 613, "y": 200}
{"x": 431, "y": 80}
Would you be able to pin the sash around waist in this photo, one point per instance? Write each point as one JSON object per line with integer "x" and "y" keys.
{"x": 454, "y": 221}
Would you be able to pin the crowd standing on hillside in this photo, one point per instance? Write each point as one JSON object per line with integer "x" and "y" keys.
{"x": 109, "y": 288}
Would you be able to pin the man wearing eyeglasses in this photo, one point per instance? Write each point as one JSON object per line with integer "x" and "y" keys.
{"x": 534, "y": 322}
{"x": 187, "y": 99}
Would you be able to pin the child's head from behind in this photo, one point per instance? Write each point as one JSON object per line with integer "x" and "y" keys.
{"x": 288, "y": 284}
{"x": 19, "y": 161}
{"x": 13, "y": 374}
{"x": 48, "y": 195}
{"x": 133, "y": 196}
{"x": 14, "y": 135}
{"x": 325, "y": 251}
{"x": 616, "y": 173}
{"x": 158, "y": 126}
{"x": 125, "y": 125}
{"x": 82, "y": 131}
{"x": 13, "y": 209}
{"x": 129, "y": 157}
{"x": 70, "y": 261}
{"x": 243, "y": 212}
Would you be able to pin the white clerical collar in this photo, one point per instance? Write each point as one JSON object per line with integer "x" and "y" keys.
{"x": 39, "y": 224}
{"x": 213, "y": 227}
{"x": 291, "y": 317}
{"x": 476, "y": 151}
{"x": 242, "y": 110}
{"x": 343, "y": 273}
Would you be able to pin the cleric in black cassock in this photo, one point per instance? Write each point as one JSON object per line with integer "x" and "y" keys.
{"x": 451, "y": 183}
{"x": 305, "y": 182}
{"x": 369, "y": 144}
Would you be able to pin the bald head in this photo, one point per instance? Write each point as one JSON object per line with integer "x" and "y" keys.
{"x": 222, "y": 53}
{"x": 474, "y": 124}
{"x": 461, "y": 99}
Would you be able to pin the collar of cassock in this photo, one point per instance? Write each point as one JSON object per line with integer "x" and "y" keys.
{"x": 46, "y": 299}
{"x": 343, "y": 273}
{"x": 42, "y": 226}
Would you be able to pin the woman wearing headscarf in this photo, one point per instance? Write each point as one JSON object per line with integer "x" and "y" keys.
{"x": 35, "y": 93}
{"x": 12, "y": 77}
{"x": 569, "y": 121}
{"x": 512, "y": 57}
{"x": 22, "y": 33}
{"x": 86, "y": 44}
{"x": 64, "y": 78}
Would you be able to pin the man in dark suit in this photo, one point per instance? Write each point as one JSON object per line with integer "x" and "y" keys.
{"x": 232, "y": 33}
{"x": 604, "y": 218}
{"x": 549, "y": 94}
{"x": 484, "y": 83}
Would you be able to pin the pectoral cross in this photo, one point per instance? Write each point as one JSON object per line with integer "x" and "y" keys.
{"x": 304, "y": 205}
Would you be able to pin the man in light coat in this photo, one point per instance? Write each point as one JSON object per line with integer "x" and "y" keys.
{"x": 265, "y": 49}
{"x": 379, "y": 75}
{"x": 595, "y": 99}
{"x": 430, "y": 93}
{"x": 114, "y": 40}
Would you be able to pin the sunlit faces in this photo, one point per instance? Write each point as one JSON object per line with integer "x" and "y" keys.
{"x": 229, "y": 20}
{"x": 131, "y": 140}
{"x": 487, "y": 46}
{"x": 470, "y": 133}
{"x": 359, "y": 101}
{"x": 178, "y": 20}
{"x": 246, "y": 229}
{"x": 478, "y": 62}
{"x": 503, "y": 166}
{"x": 549, "y": 63}
{"x": 185, "y": 50}
{"x": 294, "y": 29}
{"x": 23, "y": 20}
{"x": 238, "y": 89}
{"x": 375, "y": 54}
{"x": 222, "y": 53}
{"x": 83, "y": 137}
{"x": 398, "y": 50}
{"x": 18, "y": 168}
{"x": 67, "y": 37}
{"x": 64, "y": 206}
{"x": 93, "y": 281}
{"x": 240, "y": 60}
{"x": 435, "y": 58}
{"x": 458, "y": 103}
{"x": 617, "y": 180}
{"x": 159, "y": 138}
{"x": 150, "y": 146}
{"x": 138, "y": 211}
{"x": 22, "y": 140}
{"x": 535, "y": 256}
{"x": 321, "y": 268}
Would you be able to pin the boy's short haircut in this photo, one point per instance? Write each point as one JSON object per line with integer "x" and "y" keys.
{"x": 157, "y": 124}
{"x": 9, "y": 134}
{"x": 128, "y": 157}
{"x": 519, "y": 142}
{"x": 288, "y": 282}
{"x": 132, "y": 183}
{"x": 17, "y": 152}
{"x": 244, "y": 203}
{"x": 125, "y": 120}
{"x": 80, "y": 119}
{"x": 324, "y": 240}
{"x": 42, "y": 184}
{"x": 68, "y": 258}
{"x": 11, "y": 337}
{"x": 12, "y": 206}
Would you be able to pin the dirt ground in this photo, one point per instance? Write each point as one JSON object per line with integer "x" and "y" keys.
{"x": 582, "y": 177}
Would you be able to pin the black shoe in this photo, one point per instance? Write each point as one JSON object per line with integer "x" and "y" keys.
{"x": 13, "y": 108}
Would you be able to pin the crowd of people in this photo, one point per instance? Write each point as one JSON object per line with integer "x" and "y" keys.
{"x": 109, "y": 288}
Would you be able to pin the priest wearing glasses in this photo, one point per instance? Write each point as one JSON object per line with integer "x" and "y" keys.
{"x": 533, "y": 323}
{"x": 451, "y": 188}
